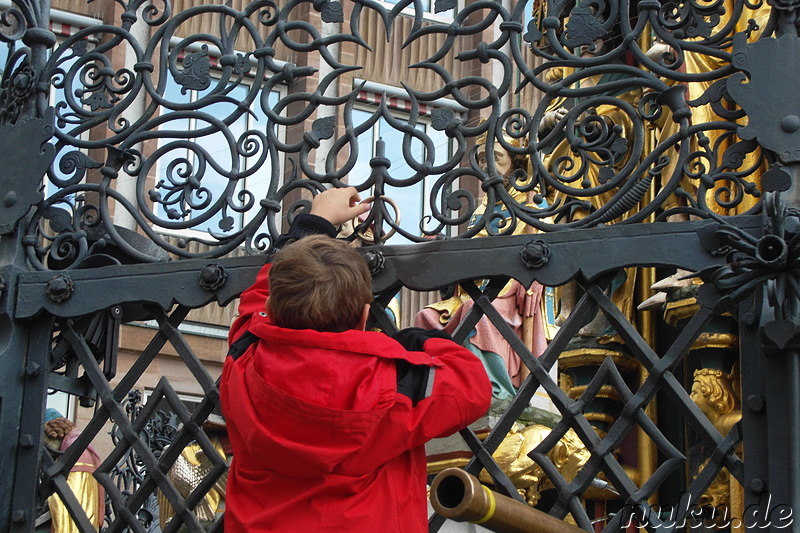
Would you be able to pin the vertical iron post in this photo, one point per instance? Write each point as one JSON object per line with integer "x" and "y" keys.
{"x": 24, "y": 344}
{"x": 789, "y": 364}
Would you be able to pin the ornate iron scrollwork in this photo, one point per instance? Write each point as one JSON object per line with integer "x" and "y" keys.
{"x": 130, "y": 472}
{"x": 588, "y": 160}
{"x": 641, "y": 117}
{"x": 774, "y": 116}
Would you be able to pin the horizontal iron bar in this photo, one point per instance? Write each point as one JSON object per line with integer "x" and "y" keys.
{"x": 425, "y": 266}
{"x": 590, "y": 252}
{"x": 163, "y": 284}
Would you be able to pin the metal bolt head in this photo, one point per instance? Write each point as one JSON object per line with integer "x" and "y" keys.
{"x": 535, "y": 254}
{"x": 755, "y": 403}
{"x": 86, "y": 401}
{"x": 33, "y": 369}
{"x": 19, "y": 516}
{"x": 757, "y": 485}
{"x": 790, "y": 123}
{"x": 212, "y": 277}
{"x": 375, "y": 261}
{"x": 26, "y": 440}
{"x": 59, "y": 288}
{"x": 10, "y": 199}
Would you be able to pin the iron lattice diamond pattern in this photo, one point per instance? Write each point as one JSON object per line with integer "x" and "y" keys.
{"x": 582, "y": 161}
{"x": 143, "y": 454}
{"x": 573, "y": 413}
{"x": 137, "y": 443}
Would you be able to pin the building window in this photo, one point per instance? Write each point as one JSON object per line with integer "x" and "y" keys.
{"x": 4, "y": 53}
{"x": 190, "y": 401}
{"x": 61, "y": 402}
{"x": 181, "y": 160}
{"x": 410, "y": 199}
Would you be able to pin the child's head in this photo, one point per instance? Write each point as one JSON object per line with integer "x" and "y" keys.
{"x": 318, "y": 283}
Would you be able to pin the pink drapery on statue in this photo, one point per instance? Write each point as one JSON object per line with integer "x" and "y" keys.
{"x": 515, "y": 305}
{"x": 87, "y": 490}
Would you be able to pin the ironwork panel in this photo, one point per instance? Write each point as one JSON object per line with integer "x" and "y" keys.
{"x": 138, "y": 155}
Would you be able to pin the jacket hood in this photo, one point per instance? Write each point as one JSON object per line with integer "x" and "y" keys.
{"x": 322, "y": 397}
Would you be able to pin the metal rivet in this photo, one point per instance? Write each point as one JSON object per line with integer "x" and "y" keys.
{"x": 33, "y": 369}
{"x": 59, "y": 288}
{"x": 757, "y": 485}
{"x": 212, "y": 277}
{"x": 19, "y": 516}
{"x": 10, "y": 199}
{"x": 756, "y": 403}
{"x": 26, "y": 440}
{"x": 375, "y": 261}
{"x": 535, "y": 254}
{"x": 790, "y": 123}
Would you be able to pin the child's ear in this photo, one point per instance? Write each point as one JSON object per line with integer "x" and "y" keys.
{"x": 267, "y": 308}
{"x": 362, "y": 323}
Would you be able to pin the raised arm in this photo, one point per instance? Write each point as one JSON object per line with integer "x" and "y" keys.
{"x": 441, "y": 388}
{"x": 329, "y": 209}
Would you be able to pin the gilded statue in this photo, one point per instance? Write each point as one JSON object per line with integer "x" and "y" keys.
{"x": 712, "y": 392}
{"x": 191, "y": 467}
{"x": 522, "y": 308}
{"x": 580, "y": 161}
{"x": 568, "y": 455}
{"x": 59, "y": 434}
{"x": 585, "y": 163}
{"x": 751, "y": 20}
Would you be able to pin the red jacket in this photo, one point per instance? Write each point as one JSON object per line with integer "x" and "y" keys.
{"x": 324, "y": 437}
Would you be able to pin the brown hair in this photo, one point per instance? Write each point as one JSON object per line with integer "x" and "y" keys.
{"x": 58, "y": 428}
{"x": 318, "y": 283}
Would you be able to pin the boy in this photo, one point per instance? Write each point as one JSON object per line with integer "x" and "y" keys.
{"x": 328, "y": 422}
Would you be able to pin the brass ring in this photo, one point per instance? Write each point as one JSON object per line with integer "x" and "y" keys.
{"x": 391, "y": 232}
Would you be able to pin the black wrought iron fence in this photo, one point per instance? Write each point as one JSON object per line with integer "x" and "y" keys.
{"x": 575, "y": 144}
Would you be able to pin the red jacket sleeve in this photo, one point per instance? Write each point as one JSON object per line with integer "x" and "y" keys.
{"x": 460, "y": 393}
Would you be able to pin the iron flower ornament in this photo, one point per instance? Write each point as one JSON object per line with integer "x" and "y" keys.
{"x": 771, "y": 260}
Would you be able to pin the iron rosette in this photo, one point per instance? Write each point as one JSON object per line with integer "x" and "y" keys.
{"x": 768, "y": 262}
